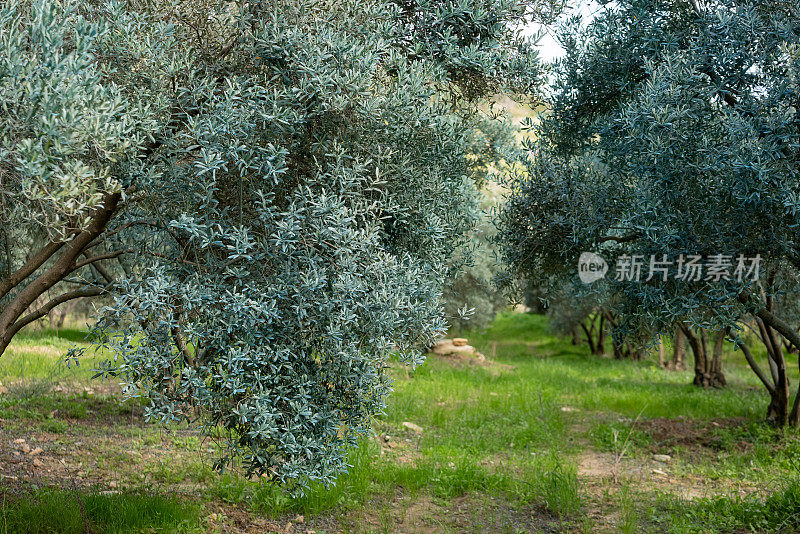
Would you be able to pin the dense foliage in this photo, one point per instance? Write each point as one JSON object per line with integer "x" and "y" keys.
{"x": 673, "y": 130}
{"x": 471, "y": 299}
{"x": 277, "y": 184}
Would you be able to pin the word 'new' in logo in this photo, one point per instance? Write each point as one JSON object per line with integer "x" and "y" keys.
{"x": 591, "y": 267}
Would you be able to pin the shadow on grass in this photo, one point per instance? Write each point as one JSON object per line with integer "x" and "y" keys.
{"x": 74, "y": 335}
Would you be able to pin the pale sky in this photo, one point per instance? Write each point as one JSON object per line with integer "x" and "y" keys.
{"x": 549, "y": 49}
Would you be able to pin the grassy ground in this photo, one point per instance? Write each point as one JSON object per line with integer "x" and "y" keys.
{"x": 542, "y": 438}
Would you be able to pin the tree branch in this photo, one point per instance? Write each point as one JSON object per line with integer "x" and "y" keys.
{"x": 620, "y": 239}
{"x": 10, "y": 314}
{"x": 775, "y": 322}
{"x": 756, "y": 369}
{"x": 180, "y": 341}
{"x": 12, "y": 280}
{"x": 93, "y": 259}
{"x": 48, "y": 307}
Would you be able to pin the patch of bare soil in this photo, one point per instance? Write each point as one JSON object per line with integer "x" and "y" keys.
{"x": 231, "y": 519}
{"x": 604, "y": 474}
{"x": 604, "y": 470}
{"x": 469, "y": 513}
{"x": 690, "y": 433}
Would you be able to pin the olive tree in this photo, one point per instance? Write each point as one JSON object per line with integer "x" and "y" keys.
{"x": 471, "y": 300}
{"x": 264, "y": 191}
{"x": 673, "y": 133}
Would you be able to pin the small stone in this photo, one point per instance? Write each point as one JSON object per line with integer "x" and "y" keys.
{"x": 663, "y": 458}
{"x": 37, "y": 450}
{"x": 460, "y": 341}
{"x": 412, "y": 426}
{"x": 26, "y": 448}
{"x": 659, "y": 472}
{"x": 19, "y": 441}
{"x": 299, "y": 519}
{"x": 443, "y": 347}
{"x": 493, "y": 394}
{"x": 37, "y": 463}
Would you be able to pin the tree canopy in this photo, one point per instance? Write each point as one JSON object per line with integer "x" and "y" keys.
{"x": 264, "y": 191}
{"x": 672, "y": 133}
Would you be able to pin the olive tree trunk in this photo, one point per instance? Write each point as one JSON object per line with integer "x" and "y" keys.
{"x": 678, "y": 351}
{"x": 20, "y": 289}
{"x": 707, "y": 367}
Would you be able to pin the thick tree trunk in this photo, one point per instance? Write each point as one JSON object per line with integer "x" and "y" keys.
{"x": 704, "y": 374}
{"x": 778, "y": 392}
{"x": 778, "y": 409}
{"x": 768, "y": 320}
{"x": 15, "y": 314}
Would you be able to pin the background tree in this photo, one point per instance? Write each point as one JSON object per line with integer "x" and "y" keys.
{"x": 572, "y": 312}
{"x": 266, "y": 190}
{"x": 672, "y": 130}
{"x": 471, "y": 299}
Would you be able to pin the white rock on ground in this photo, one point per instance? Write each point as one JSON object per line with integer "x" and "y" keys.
{"x": 446, "y": 347}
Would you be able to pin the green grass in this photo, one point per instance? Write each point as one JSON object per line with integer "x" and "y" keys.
{"x": 568, "y": 374}
{"x": 779, "y": 512}
{"x": 67, "y": 512}
{"x": 512, "y": 433}
{"x": 39, "y": 354}
{"x": 617, "y": 436}
{"x": 73, "y": 406}
{"x": 548, "y": 481}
